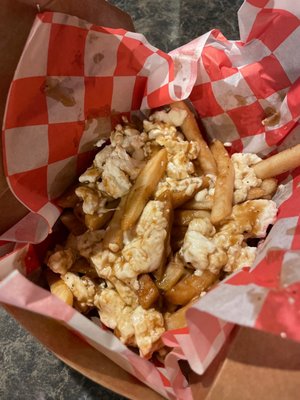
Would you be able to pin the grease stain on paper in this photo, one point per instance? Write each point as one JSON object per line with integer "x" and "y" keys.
{"x": 54, "y": 89}
{"x": 98, "y": 57}
{"x": 272, "y": 117}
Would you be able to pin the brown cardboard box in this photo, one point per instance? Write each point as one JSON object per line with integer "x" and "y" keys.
{"x": 254, "y": 365}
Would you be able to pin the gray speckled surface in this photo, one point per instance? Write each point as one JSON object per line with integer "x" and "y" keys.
{"x": 28, "y": 370}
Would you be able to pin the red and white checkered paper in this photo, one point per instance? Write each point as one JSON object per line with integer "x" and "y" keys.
{"x": 110, "y": 72}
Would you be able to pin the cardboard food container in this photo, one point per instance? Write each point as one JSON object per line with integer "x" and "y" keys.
{"x": 211, "y": 359}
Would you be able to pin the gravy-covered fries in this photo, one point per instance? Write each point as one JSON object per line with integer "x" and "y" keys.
{"x": 150, "y": 232}
{"x": 222, "y": 202}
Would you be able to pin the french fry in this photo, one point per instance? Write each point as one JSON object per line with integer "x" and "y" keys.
{"x": 255, "y": 193}
{"x": 59, "y": 288}
{"x": 148, "y": 292}
{"x": 165, "y": 197}
{"x": 192, "y": 132}
{"x": 72, "y": 223}
{"x": 267, "y": 188}
{"x": 173, "y": 272}
{"x": 68, "y": 199}
{"x": 94, "y": 222}
{"x": 206, "y": 204}
{"x": 190, "y": 287}
{"x": 180, "y": 198}
{"x": 113, "y": 237}
{"x": 144, "y": 188}
{"x": 279, "y": 163}
{"x": 177, "y": 319}
{"x": 184, "y": 217}
{"x": 223, "y": 196}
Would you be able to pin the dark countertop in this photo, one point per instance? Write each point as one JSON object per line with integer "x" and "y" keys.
{"x": 28, "y": 370}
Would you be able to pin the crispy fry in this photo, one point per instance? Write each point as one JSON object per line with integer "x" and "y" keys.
{"x": 223, "y": 196}
{"x": 192, "y": 132}
{"x": 177, "y": 319}
{"x": 269, "y": 186}
{"x": 275, "y": 165}
{"x": 166, "y": 197}
{"x": 143, "y": 188}
{"x": 113, "y": 237}
{"x": 206, "y": 204}
{"x": 72, "y": 223}
{"x": 94, "y": 222}
{"x": 184, "y": 217}
{"x": 59, "y": 288}
{"x": 267, "y": 189}
{"x": 173, "y": 272}
{"x": 190, "y": 287}
{"x": 255, "y": 193}
{"x": 148, "y": 292}
{"x": 68, "y": 199}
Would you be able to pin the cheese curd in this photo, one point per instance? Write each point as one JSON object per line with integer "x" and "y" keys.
{"x": 172, "y": 117}
{"x": 61, "y": 261}
{"x": 204, "y": 248}
{"x": 83, "y": 289}
{"x": 144, "y": 253}
{"x": 89, "y": 243}
{"x": 252, "y": 217}
{"x": 197, "y": 245}
{"x": 188, "y": 186}
{"x": 148, "y": 328}
{"x": 245, "y": 177}
{"x": 110, "y": 304}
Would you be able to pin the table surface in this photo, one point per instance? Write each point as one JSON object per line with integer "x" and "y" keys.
{"x": 28, "y": 370}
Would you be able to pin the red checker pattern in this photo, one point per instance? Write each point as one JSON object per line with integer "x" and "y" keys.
{"x": 291, "y": 207}
{"x": 45, "y": 16}
{"x": 35, "y": 194}
{"x": 131, "y": 57}
{"x": 66, "y": 50}
{"x": 293, "y": 99}
{"x": 217, "y": 64}
{"x": 273, "y": 26}
{"x": 247, "y": 119}
{"x": 138, "y": 92}
{"x": 64, "y": 140}
{"x": 109, "y": 31}
{"x": 34, "y": 110}
{"x": 296, "y": 240}
{"x": 159, "y": 96}
{"x": 98, "y": 96}
{"x": 265, "y": 77}
{"x": 237, "y": 147}
{"x": 279, "y": 315}
{"x": 219, "y": 36}
{"x": 274, "y": 136}
{"x": 204, "y": 100}
{"x": 258, "y": 3}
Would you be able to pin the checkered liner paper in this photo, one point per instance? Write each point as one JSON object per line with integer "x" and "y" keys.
{"x": 104, "y": 73}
